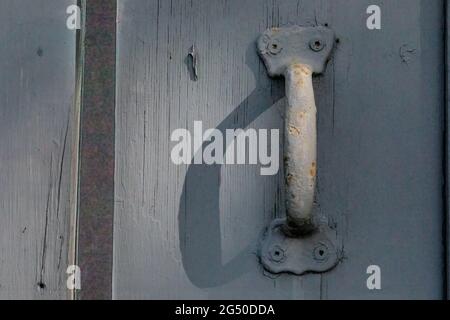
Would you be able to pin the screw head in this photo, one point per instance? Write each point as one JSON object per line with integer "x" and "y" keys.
{"x": 277, "y": 254}
{"x": 320, "y": 252}
{"x": 274, "y": 47}
{"x": 316, "y": 45}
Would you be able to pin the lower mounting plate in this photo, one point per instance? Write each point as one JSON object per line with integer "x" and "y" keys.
{"x": 313, "y": 253}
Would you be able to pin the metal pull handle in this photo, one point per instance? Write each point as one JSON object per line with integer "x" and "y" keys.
{"x": 297, "y": 244}
{"x": 300, "y": 141}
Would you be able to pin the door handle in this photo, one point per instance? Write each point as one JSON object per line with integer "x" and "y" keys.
{"x": 298, "y": 243}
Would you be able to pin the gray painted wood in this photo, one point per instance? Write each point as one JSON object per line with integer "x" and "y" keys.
{"x": 192, "y": 232}
{"x": 37, "y": 81}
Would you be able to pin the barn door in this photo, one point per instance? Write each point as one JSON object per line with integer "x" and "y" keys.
{"x": 200, "y": 172}
{"x": 185, "y": 228}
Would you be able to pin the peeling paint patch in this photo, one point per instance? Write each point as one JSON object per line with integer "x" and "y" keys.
{"x": 313, "y": 169}
{"x": 301, "y": 68}
{"x": 194, "y": 60}
{"x": 293, "y": 130}
{"x": 289, "y": 178}
{"x": 301, "y": 115}
{"x": 406, "y": 53}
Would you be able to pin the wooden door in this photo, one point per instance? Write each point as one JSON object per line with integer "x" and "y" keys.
{"x": 192, "y": 231}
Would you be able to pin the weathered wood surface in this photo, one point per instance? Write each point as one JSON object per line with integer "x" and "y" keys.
{"x": 192, "y": 232}
{"x": 37, "y": 81}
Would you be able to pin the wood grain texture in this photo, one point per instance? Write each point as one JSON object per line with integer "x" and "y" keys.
{"x": 382, "y": 155}
{"x": 192, "y": 232}
{"x": 37, "y": 81}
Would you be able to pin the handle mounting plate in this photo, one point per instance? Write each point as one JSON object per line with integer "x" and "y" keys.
{"x": 316, "y": 252}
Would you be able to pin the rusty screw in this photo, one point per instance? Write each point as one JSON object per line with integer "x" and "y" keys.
{"x": 274, "y": 47}
{"x": 320, "y": 253}
{"x": 277, "y": 254}
{"x": 316, "y": 45}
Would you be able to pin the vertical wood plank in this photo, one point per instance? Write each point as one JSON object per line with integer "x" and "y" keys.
{"x": 382, "y": 150}
{"x": 38, "y": 148}
{"x": 192, "y": 232}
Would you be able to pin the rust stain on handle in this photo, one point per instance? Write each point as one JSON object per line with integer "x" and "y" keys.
{"x": 300, "y": 148}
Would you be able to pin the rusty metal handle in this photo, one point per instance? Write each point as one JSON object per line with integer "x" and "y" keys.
{"x": 296, "y": 53}
{"x": 300, "y": 153}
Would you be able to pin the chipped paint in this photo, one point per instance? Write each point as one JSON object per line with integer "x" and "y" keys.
{"x": 194, "y": 60}
{"x": 313, "y": 170}
{"x": 293, "y": 130}
{"x": 407, "y": 53}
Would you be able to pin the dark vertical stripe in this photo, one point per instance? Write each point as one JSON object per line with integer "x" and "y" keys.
{"x": 96, "y": 177}
{"x": 447, "y": 149}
